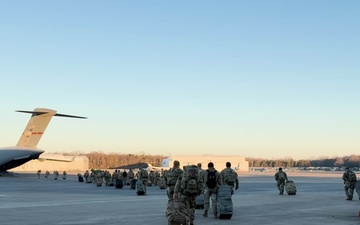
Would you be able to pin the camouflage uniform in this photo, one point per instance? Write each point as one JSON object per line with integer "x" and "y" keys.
{"x": 125, "y": 179}
{"x": 189, "y": 200}
{"x": 349, "y": 178}
{"x": 131, "y": 175}
{"x": 64, "y": 175}
{"x": 143, "y": 176}
{"x": 47, "y": 173}
{"x": 157, "y": 177}
{"x": 281, "y": 178}
{"x": 171, "y": 178}
{"x": 227, "y": 177}
{"x": 152, "y": 177}
{"x": 98, "y": 178}
{"x": 56, "y": 174}
{"x": 107, "y": 177}
{"x": 120, "y": 175}
{"x": 38, "y": 173}
{"x": 114, "y": 176}
{"x": 211, "y": 192}
{"x": 201, "y": 172}
{"x": 86, "y": 175}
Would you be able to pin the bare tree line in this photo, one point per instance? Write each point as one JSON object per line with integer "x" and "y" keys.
{"x": 102, "y": 160}
{"x": 351, "y": 161}
{"x": 112, "y": 160}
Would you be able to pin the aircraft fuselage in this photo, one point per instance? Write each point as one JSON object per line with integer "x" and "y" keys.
{"x": 11, "y": 157}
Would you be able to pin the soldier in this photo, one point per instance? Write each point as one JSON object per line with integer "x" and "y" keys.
{"x": 130, "y": 175}
{"x": 157, "y": 177}
{"x": 98, "y": 178}
{"x": 171, "y": 177}
{"x": 281, "y": 178}
{"x": 47, "y": 173}
{"x": 201, "y": 171}
{"x": 189, "y": 185}
{"x": 152, "y": 177}
{"x": 64, "y": 175}
{"x": 38, "y": 173}
{"x": 162, "y": 173}
{"x": 107, "y": 177}
{"x": 212, "y": 182}
{"x": 229, "y": 177}
{"x": 80, "y": 177}
{"x": 349, "y": 178}
{"x": 120, "y": 175}
{"x": 124, "y": 175}
{"x": 114, "y": 176}
{"x": 86, "y": 175}
{"x": 56, "y": 174}
{"x": 143, "y": 176}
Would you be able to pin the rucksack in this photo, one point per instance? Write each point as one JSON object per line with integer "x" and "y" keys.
{"x": 211, "y": 179}
{"x": 140, "y": 188}
{"x": 172, "y": 176}
{"x": 177, "y": 213}
{"x": 281, "y": 176}
{"x": 352, "y": 176}
{"x": 144, "y": 174}
{"x": 230, "y": 176}
{"x": 190, "y": 182}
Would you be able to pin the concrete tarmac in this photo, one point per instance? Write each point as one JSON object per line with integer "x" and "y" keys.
{"x": 25, "y": 199}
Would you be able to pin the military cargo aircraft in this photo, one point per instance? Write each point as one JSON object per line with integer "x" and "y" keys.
{"x": 25, "y": 150}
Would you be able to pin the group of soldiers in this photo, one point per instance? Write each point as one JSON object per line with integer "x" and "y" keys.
{"x": 349, "y": 178}
{"x": 104, "y": 176}
{"x": 56, "y": 174}
{"x": 208, "y": 180}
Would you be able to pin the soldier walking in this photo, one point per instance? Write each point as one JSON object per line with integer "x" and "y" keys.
{"x": 349, "y": 178}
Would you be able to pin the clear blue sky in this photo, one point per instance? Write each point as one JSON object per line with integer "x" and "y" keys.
{"x": 267, "y": 79}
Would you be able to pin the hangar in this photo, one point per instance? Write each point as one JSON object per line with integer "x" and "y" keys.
{"x": 237, "y": 162}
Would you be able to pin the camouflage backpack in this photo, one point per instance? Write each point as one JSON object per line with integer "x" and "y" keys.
{"x": 281, "y": 176}
{"x": 144, "y": 174}
{"x": 230, "y": 176}
{"x": 190, "y": 183}
{"x": 177, "y": 213}
{"x": 352, "y": 176}
{"x": 172, "y": 176}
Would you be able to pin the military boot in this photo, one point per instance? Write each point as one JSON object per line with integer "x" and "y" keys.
{"x": 205, "y": 213}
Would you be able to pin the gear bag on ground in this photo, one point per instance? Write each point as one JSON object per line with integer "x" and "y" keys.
{"x": 290, "y": 187}
{"x": 177, "y": 213}
{"x": 224, "y": 202}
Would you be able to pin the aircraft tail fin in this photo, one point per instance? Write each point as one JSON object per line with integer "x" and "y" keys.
{"x": 37, "y": 124}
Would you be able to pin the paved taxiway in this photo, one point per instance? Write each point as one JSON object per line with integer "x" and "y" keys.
{"x": 27, "y": 200}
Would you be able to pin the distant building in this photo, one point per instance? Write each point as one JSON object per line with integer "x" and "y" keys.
{"x": 80, "y": 164}
{"x": 237, "y": 162}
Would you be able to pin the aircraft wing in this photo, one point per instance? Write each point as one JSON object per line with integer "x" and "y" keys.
{"x": 56, "y": 157}
{"x": 133, "y": 166}
{"x": 156, "y": 168}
